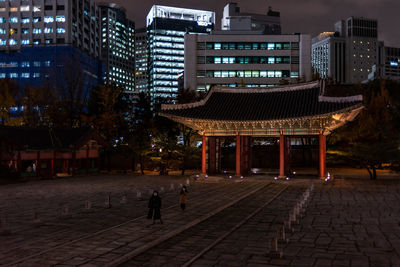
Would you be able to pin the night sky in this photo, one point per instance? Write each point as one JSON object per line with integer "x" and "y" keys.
{"x": 305, "y": 16}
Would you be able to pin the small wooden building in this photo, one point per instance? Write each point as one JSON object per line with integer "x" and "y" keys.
{"x": 281, "y": 112}
{"x": 50, "y": 152}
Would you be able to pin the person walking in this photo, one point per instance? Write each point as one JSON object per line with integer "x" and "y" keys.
{"x": 183, "y": 197}
{"x": 155, "y": 207}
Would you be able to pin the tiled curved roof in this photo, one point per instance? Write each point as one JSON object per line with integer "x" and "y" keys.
{"x": 229, "y": 104}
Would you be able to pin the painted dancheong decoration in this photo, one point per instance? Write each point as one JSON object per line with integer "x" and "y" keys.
{"x": 293, "y": 110}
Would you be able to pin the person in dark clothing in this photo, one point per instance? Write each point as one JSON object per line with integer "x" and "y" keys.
{"x": 183, "y": 197}
{"x": 155, "y": 207}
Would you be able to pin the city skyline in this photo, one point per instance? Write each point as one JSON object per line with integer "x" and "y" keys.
{"x": 326, "y": 13}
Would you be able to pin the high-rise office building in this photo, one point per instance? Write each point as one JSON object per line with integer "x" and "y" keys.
{"x": 235, "y": 20}
{"x": 118, "y": 46}
{"x": 347, "y": 54}
{"x": 166, "y": 28}
{"x": 37, "y": 38}
{"x": 226, "y": 58}
{"x": 249, "y": 51}
{"x": 329, "y": 56}
{"x": 388, "y": 66}
{"x": 141, "y": 56}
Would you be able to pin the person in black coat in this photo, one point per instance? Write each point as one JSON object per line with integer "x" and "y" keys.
{"x": 155, "y": 207}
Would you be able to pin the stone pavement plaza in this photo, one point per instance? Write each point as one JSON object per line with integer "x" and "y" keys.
{"x": 228, "y": 222}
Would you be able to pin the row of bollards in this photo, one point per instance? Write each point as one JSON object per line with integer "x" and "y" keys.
{"x": 294, "y": 216}
{"x": 65, "y": 211}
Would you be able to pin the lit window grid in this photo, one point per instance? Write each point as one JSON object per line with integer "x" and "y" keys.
{"x": 118, "y": 52}
{"x": 19, "y": 17}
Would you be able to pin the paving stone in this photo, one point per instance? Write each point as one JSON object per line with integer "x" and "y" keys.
{"x": 349, "y": 222}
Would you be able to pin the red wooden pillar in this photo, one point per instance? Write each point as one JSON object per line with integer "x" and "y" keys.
{"x": 66, "y": 164}
{"x": 250, "y": 154}
{"x": 245, "y": 154}
{"x": 212, "y": 155}
{"x": 281, "y": 156}
{"x": 73, "y": 161}
{"x": 19, "y": 163}
{"x": 218, "y": 155}
{"x": 87, "y": 159}
{"x": 322, "y": 155}
{"x": 53, "y": 162}
{"x": 238, "y": 156}
{"x": 203, "y": 156}
{"x": 37, "y": 163}
{"x": 242, "y": 154}
{"x": 287, "y": 155}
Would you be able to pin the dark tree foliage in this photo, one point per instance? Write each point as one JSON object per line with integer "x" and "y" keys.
{"x": 70, "y": 82}
{"x": 165, "y": 138}
{"x": 372, "y": 139}
{"x": 41, "y": 107}
{"x": 187, "y": 149}
{"x": 9, "y": 94}
{"x": 106, "y": 114}
{"x": 141, "y": 129}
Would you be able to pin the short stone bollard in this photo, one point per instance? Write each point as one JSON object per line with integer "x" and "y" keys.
{"x": 292, "y": 217}
{"x": 288, "y": 225}
{"x": 296, "y": 215}
{"x": 65, "y": 210}
{"x": 138, "y": 194}
{"x": 36, "y": 218}
{"x": 282, "y": 235}
{"x": 107, "y": 202}
{"x": 172, "y": 187}
{"x": 88, "y": 205}
{"x": 124, "y": 199}
{"x": 187, "y": 181}
{"x": 161, "y": 189}
{"x": 274, "y": 249}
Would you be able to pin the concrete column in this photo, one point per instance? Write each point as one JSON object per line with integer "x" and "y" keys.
{"x": 238, "y": 156}
{"x": 322, "y": 155}
{"x": 281, "y": 156}
{"x": 203, "y": 156}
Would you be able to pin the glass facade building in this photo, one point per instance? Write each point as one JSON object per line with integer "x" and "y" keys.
{"x": 141, "y": 56}
{"x": 35, "y": 31}
{"x": 45, "y": 65}
{"x": 166, "y": 28}
{"x": 118, "y": 46}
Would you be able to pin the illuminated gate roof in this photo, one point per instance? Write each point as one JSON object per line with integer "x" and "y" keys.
{"x": 294, "y": 110}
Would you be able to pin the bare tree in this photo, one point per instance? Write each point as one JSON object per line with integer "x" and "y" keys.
{"x": 70, "y": 81}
